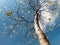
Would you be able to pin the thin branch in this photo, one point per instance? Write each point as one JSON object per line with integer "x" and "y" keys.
{"x": 31, "y": 5}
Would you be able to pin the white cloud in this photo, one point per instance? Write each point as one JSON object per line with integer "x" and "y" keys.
{"x": 46, "y": 19}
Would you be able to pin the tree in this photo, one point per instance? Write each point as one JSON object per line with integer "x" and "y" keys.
{"x": 36, "y": 7}
{"x": 41, "y": 36}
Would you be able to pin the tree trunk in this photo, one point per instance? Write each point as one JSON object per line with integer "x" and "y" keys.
{"x": 41, "y": 36}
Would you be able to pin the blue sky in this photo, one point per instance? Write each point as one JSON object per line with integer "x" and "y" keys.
{"x": 18, "y": 36}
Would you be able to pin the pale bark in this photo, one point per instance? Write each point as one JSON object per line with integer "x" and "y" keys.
{"x": 41, "y": 36}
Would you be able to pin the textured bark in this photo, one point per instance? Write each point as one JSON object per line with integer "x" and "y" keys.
{"x": 41, "y": 36}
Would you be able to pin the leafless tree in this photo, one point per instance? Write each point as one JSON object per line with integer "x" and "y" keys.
{"x": 36, "y": 6}
{"x": 41, "y": 36}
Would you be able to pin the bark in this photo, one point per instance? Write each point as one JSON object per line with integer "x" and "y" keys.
{"x": 41, "y": 36}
